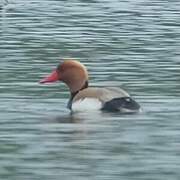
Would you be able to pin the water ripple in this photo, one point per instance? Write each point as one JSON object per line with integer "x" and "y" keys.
{"x": 129, "y": 44}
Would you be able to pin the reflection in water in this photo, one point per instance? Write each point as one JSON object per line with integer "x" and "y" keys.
{"x": 82, "y": 117}
{"x": 66, "y": 119}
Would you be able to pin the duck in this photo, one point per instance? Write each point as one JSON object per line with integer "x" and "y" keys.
{"x": 86, "y": 98}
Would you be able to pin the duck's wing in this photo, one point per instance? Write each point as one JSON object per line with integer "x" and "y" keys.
{"x": 103, "y": 94}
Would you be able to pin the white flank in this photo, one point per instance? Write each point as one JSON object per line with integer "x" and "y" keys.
{"x": 87, "y": 104}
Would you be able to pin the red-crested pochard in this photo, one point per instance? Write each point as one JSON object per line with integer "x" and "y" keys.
{"x": 85, "y": 98}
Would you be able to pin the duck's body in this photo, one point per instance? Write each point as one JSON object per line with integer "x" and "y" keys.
{"x": 85, "y": 98}
{"x": 108, "y": 99}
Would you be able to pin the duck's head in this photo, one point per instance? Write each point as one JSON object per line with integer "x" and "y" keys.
{"x": 72, "y": 73}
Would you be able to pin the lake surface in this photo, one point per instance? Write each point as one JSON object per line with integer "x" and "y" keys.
{"x": 130, "y": 44}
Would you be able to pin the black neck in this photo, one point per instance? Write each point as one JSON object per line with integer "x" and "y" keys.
{"x": 74, "y": 93}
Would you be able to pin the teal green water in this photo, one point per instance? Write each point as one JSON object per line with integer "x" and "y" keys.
{"x": 128, "y": 44}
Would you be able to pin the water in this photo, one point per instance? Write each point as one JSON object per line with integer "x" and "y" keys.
{"x": 129, "y": 44}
